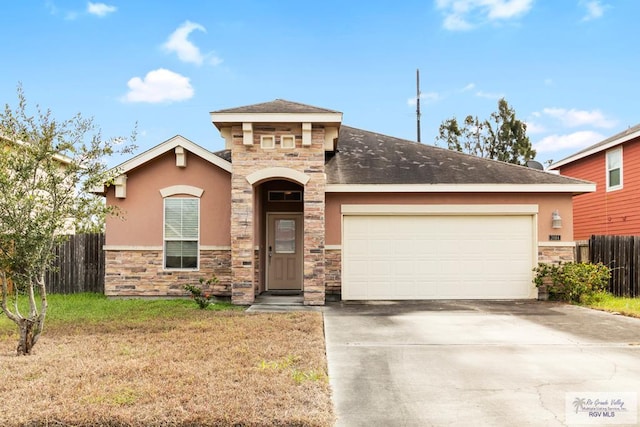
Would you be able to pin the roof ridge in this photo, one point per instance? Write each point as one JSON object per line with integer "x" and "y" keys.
{"x": 277, "y": 106}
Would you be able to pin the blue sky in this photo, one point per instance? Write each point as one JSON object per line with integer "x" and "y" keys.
{"x": 570, "y": 68}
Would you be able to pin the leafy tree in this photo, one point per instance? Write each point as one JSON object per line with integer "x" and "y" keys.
{"x": 46, "y": 169}
{"x": 501, "y": 137}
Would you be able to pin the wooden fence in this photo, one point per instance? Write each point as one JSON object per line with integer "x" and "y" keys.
{"x": 622, "y": 255}
{"x": 79, "y": 266}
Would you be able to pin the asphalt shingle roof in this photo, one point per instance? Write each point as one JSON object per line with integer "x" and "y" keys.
{"x": 278, "y": 106}
{"x": 365, "y": 157}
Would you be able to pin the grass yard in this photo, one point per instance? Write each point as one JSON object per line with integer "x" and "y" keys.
{"x": 626, "y": 306}
{"x": 104, "y": 362}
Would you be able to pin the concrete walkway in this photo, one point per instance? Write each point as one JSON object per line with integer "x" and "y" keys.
{"x": 479, "y": 363}
{"x": 280, "y": 302}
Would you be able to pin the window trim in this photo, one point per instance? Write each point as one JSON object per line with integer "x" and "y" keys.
{"x": 288, "y": 137}
{"x": 165, "y": 240}
{"x": 608, "y": 169}
{"x": 272, "y": 144}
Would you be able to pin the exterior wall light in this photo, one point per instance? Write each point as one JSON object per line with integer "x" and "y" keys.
{"x": 556, "y": 219}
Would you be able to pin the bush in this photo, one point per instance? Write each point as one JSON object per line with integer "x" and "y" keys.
{"x": 201, "y": 297}
{"x": 572, "y": 281}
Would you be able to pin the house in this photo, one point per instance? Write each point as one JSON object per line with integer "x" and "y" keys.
{"x": 299, "y": 202}
{"x": 614, "y": 166}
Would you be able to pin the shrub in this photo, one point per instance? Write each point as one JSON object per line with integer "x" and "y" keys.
{"x": 572, "y": 281}
{"x": 201, "y": 297}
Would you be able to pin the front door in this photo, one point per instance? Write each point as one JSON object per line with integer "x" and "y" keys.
{"x": 284, "y": 251}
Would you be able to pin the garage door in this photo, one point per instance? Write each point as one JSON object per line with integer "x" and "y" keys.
{"x": 437, "y": 257}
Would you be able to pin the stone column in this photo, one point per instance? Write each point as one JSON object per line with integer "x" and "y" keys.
{"x": 242, "y": 238}
{"x": 314, "y": 226}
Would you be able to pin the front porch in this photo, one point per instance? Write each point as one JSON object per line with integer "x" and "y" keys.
{"x": 276, "y": 302}
{"x": 279, "y": 220}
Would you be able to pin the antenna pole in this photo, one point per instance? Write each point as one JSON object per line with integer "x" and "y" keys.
{"x": 418, "y": 103}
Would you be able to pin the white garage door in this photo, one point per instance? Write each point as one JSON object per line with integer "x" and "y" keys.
{"x": 437, "y": 257}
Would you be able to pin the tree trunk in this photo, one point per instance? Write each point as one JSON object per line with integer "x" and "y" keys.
{"x": 29, "y": 333}
{"x": 32, "y": 326}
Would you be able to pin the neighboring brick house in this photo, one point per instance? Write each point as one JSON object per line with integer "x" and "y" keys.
{"x": 299, "y": 202}
{"x": 614, "y": 166}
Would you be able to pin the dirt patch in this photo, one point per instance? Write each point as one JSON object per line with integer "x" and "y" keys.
{"x": 211, "y": 369}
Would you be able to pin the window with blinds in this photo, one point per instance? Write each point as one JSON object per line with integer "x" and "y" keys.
{"x": 181, "y": 233}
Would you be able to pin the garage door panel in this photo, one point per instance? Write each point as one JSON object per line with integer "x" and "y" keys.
{"x": 418, "y": 257}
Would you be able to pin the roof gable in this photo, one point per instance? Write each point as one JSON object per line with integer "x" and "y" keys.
{"x": 170, "y": 144}
{"x": 162, "y": 148}
{"x": 617, "y": 139}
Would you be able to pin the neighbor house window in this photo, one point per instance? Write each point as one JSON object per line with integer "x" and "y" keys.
{"x": 614, "y": 169}
{"x": 181, "y": 233}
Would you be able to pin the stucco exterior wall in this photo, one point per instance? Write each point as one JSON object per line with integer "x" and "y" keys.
{"x": 547, "y": 203}
{"x": 140, "y": 220}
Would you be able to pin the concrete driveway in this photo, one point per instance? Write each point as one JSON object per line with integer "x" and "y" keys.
{"x": 499, "y": 363}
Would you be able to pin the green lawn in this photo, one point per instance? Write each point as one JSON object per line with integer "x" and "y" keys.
{"x": 97, "y": 308}
{"x": 626, "y": 306}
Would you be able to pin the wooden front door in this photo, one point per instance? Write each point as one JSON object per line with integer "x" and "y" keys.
{"x": 284, "y": 251}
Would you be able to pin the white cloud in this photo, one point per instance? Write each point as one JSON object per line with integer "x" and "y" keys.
{"x": 489, "y": 95}
{"x": 468, "y": 87}
{"x": 215, "y": 60}
{"x": 575, "y": 118}
{"x": 159, "y": 85}
{"x": 462, "y": 15}
{"x": 455, "y": 22}
{"x": 595, "y": 9}
{"x": 179, "y": 43}
{"x": 427, "y": 97}
{"x": 100, "y": 9}
{"x": 533, "y": 128}
{"x": 574, "y": 141}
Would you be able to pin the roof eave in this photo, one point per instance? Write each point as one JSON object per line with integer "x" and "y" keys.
{"x": 221, "y": 120}
{"x": 575, "y": 189}
{"x": 595, "y": 150}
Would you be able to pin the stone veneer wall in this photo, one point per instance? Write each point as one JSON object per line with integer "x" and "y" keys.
{"x": 554, "y": 254}
{"x": 333, "y": 271}
{"x": 140, "y": 273}
{"x": 248, "y": 159}
{"x": 256, "y": 277}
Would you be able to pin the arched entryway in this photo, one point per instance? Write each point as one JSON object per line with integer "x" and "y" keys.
{"x": 280, "y": 218}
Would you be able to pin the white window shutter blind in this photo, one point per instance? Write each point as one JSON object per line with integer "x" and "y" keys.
{"x": 181, "y": 232}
